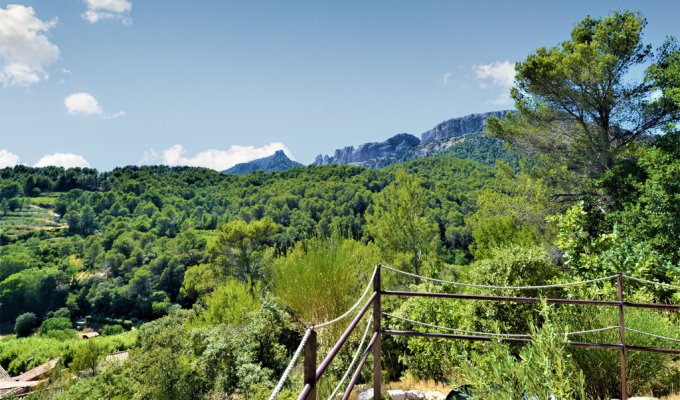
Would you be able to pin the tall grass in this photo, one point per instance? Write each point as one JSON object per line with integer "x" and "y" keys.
{"x": 321, "y": 278}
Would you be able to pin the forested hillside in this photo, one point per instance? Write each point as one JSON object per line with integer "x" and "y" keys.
{"x": 209, "y": 279}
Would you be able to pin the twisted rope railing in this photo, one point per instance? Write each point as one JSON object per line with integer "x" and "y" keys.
{"x": 472, "y": 285}
{"x": 291, "y": 364}
{"x": 289, "y": 368}
{"x": 446, "y": 328}
{"x": 354, "y": 359}
{"x": 351, "y": 309}
{"x": 653, "y": 335}
{"x": 490, "y": 334}
{"x": 666, "y": 285}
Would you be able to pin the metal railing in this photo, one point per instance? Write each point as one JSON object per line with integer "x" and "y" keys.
{"x": 313, "y": 373}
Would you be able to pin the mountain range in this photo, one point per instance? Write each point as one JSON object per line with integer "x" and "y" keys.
{"x": 398, "y": 148}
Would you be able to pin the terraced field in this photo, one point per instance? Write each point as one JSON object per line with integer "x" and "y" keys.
{"x": 34, "y": 215}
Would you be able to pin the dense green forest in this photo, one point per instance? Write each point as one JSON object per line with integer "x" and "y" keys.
{"x": 209, "y": 279}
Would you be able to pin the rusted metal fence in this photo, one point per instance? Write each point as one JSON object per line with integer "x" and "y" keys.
{"x": 313, "y": 373}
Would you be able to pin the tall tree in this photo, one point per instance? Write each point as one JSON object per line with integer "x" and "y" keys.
{"x": 239, "y": 248}
{"x": 579, "y": 101}
{"x": 400, "y": 224}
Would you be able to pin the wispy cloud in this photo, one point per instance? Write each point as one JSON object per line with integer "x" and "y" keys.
{"x": 114, "y": 115}
{"x": 66, "y": 160}
{"x": 85, "y": 104}
{"x": 216, "y": 159}
{"x": 446, "y": 78}
{"x": 98, "y": 10}
{"x": 8, "y": 159}
{"x": 497, "y": 75}
{"x": 25, "y": 50}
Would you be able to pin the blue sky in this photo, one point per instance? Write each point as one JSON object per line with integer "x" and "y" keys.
{"x": 109, "y": 83}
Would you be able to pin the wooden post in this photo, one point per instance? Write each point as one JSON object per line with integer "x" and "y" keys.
{"x": 377, "y": 314}
{"x": 622, "y": 335}
{"x": 310, "y": 365}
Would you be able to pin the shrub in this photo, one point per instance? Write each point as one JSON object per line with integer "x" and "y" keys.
{"x": 543, "y": 370}
{"x": 57, "y": 328}
{"x": 24, "y": 324}
{"x": 320, "y": 279}
{"x": 230, "y": 303}
{"x": 647, "y": 372}
{"x": 55, "y": 324}
{"x": 110, "y": 330}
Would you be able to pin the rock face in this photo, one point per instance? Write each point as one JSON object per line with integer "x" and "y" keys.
{"x": 456, "y": 127}
{"x": 397, "y": 148}
{"x": 404, "y": 146}
{"x": 276, "y": 162}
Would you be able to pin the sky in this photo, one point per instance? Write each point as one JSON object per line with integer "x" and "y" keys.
{"x": 108, "y": 83}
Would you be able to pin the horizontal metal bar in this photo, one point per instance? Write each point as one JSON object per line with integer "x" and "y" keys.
{"x": 502, "y": 298}
{"x": 659, "y": 306}
{"x": 652, "y": 349}
{"x": 334, "y": 351}
{"x": 606, "y": 346}
{"x": 357, "y": 371}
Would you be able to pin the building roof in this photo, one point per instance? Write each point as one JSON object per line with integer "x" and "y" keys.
{"x": 3, "y": 373}
{"x": 37, "y": 372}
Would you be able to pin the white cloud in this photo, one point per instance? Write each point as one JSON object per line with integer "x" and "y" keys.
{"x": 497, "y": 75}
{"x": 66, "y": 160}
{"x": 25, "y": 51}
{"x": 212, "y": 158}
{"x": 8, "y": 159}
{"x": 98, "y": 10}
{"x": 446, "y": 78}
{"x": 82, "y": 103}
{"x": 114, "y": 115}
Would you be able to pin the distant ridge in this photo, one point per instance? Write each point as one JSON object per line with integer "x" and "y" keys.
{"x": 276, "y": 162}
{"x": 404, "y": 146}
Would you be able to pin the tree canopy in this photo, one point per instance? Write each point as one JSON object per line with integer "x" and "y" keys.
{"x": 581, "y": 102}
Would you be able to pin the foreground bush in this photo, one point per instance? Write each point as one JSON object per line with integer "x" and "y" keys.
{"x": 543, "y": 370}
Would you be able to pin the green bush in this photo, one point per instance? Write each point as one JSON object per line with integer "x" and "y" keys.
{"x": 647, "y": 372}
{"x": 24, "y": 324}
{"x": 110, "y": 330}
{"x": 230, "y": 303}
{"x": 543, "y": 370}
{"x": 512, "y": 266}
{"x": 55, "y": 324}
{"x": 320, "y": 279}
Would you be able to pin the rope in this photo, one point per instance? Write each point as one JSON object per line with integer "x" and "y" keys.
{"x": 557, "y": 285}
{"x": 354, "y": 307}
{"x": 289, "y": 368}
{"x": 457, "y": 330}
{"x": 495, "y": 334}
{"x": 354, "y": 359}
{"x": 609, "y": 328}
{"x": 652, "y": 282}
{"x": 653, "y": 335}
{"x": 279, "y": 385}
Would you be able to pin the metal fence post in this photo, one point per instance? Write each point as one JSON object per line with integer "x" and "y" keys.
{"x": 377, "y": 313}
{"x": 622, "y": 335}
{"x": 310, "y": 365}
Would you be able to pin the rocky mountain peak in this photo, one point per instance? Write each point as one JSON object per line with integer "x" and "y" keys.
{"x": 456, "y": 127}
